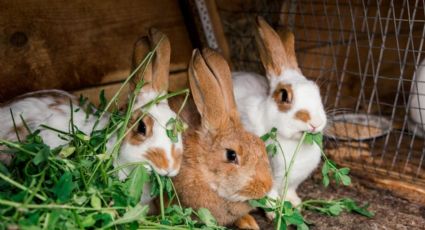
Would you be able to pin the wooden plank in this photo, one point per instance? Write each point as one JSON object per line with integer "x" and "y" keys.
{"x": 178, "y": 81}
{"x": 218, "y": 28}
{"x": 73, "y": 44}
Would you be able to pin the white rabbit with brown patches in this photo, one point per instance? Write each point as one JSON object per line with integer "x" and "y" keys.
{"x": 284, "y": 99}
{"x": 223, "y": 165}
{"x": 147, "y": 142}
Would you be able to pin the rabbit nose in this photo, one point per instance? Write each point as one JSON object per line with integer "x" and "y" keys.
{"x": 172, "y": 172}
{"x": 313, "y": 128}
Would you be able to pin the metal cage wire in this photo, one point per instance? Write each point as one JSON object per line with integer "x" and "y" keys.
{"x": 364, "y": 55}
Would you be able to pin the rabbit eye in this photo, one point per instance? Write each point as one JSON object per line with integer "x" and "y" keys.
{"x": 284, "y": 96}
{"x": 231, "y": 156}
{"x": 141, "y": 128}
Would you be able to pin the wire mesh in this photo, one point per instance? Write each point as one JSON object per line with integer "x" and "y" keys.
{"x": 365, "y": 56}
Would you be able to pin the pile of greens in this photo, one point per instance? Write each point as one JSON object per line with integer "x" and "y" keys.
{"x": 75, "y": 186}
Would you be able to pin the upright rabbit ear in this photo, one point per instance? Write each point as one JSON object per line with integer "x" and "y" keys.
{"x": 211, "y": 87}
{"x": 157, "y": 71}
{"x": 141, "y": 49}
{"x": 161, "y": 59}
{"x": 276, "y": 53}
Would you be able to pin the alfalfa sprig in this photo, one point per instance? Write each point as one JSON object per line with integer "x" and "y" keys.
{"x": 329, "y": 168}
{"x": 285, "y": 213}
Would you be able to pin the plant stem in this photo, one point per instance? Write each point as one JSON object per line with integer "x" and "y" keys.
{"x": 287, "y": 173}
{"x": 54, "y": 206}
{"x": 160, "y": 226}
{"x": 16, "y": 146}
{"x": 161, "y": 195}
{"x": 124, "y": 166}
{"x": 20, "y": 186}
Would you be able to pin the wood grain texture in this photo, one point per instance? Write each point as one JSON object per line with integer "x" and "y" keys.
{"x": 178, "y": 81}
{"x": 74, "y": 44}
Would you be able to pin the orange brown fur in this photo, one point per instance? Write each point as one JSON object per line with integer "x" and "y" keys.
{"x": 270, "y": 52}
{"x": 177, "y": 155}
{"x": 247, "y": 222}
{"x": 156, "y": 72}
{"x": 207, "y": 179}
{"x": 157, "y": 157}
{"x": 283, "y": 106}
{"x": 302, "y": 115}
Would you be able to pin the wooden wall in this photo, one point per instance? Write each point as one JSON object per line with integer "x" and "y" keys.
{"x": 79, "y": 45}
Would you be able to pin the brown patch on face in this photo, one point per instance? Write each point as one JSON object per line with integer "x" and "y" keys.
{"x": 177, "y": 155}
{"x": 157, "y": 157}
{"x": 138, "y": 135}
{"x": 283, "y": 96}
{"x": 302, "y": 115}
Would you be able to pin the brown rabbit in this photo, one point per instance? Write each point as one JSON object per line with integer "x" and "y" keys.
{"x": 223, "y": 165}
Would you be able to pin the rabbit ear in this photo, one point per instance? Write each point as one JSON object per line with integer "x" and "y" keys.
{"x": 221, "y": 71}
{"x": 161, "y": 59}
{"x": 208, "y": 76}
{"x": 141, "y": 49}
{"x": 273, "y": 51}
{"x": 157, "y": 71}
{"x": 288, "y": 41}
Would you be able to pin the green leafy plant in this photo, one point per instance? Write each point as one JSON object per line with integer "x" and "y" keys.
{"x": 285, "y": 213}
{"x": 329, "y": 168}
{"x": 75, "y": 186}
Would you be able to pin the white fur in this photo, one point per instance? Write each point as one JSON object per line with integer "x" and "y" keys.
{"x": 417, "y": 102}
{"x": 36, "y": 111}
{"x": 259, "y": 114}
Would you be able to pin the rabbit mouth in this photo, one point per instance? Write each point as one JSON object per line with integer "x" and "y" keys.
{"x": 236, "y": 198}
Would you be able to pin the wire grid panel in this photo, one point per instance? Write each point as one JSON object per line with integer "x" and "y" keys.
{"x": 365, "y": 56}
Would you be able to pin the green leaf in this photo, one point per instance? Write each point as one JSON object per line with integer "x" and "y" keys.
{"x": 283, "y": 221}
{"x": 295, "y": 218}
{"x": 318, "y": 139}
{"x": 102, "y": 100}
{"x": 271, "y": 149}
{"x": 344, "y": 171}
{"x": 352, "y": 206}
{"x": 346, "y": 180}
{"x": 42, "y": 155}
{"x": 325, "y": 180}
{"x": 172, "y": 129}
{"x": 135, "y": 182}
{"x": 79, "y": 199}
{"x": 136, "y": 213}
{"x": 63, "y": 189}
{"x": 308, "y": 139}
{"x": 302, "y": 226}
{"x": 89, "y": 220}
{"x": 206, "y": 217}
{"x": 170, "y": 134}
{"x": 335, "y": 209}
{"x": 95, "y": 201}
{"x": 259, "y": 203}
{"x": 265, "y": 137}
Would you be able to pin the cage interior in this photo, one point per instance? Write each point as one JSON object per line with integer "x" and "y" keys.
{"x": 366, "y": 58}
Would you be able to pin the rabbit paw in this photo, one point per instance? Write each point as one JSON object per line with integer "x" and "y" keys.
{"x": 270, "y": 215}
{"x": 247, "y": 222}
{"x": 293, "y": 198}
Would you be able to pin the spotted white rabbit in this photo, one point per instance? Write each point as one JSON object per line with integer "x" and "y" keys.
{"x": 284, "y": 99}
{"x": 147, "y": 142}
